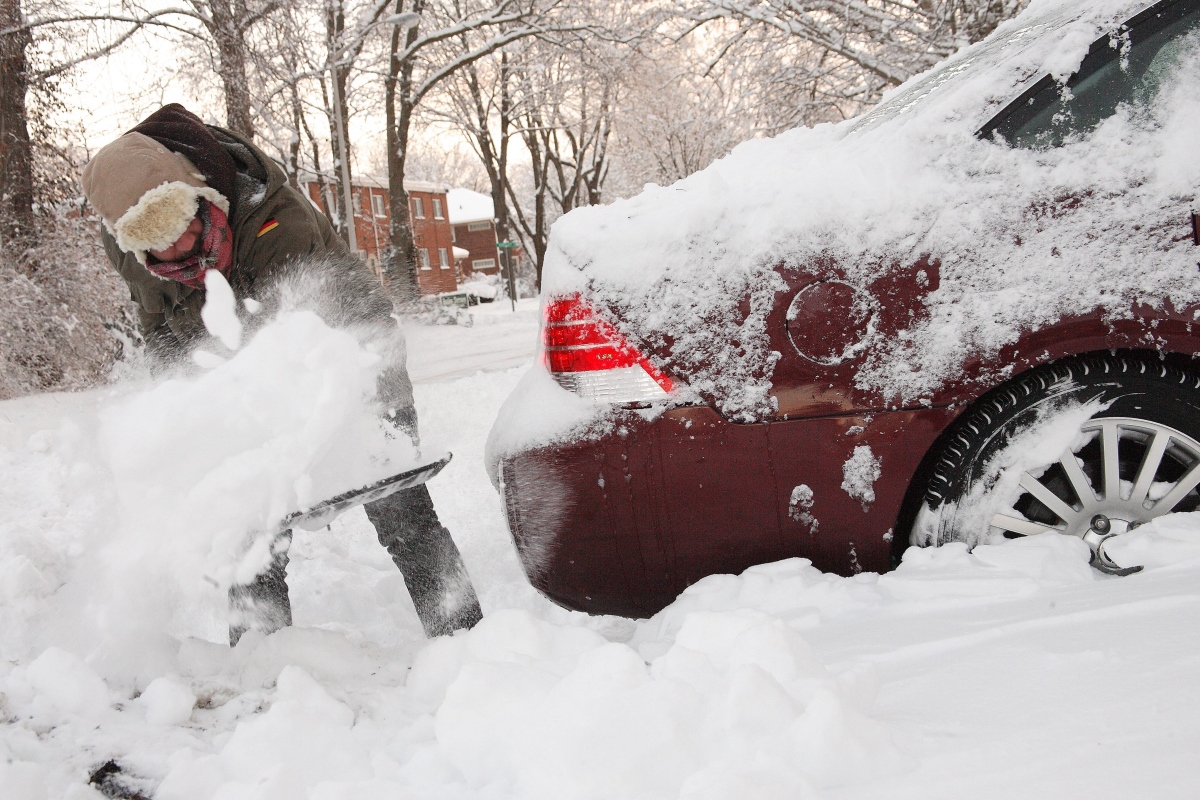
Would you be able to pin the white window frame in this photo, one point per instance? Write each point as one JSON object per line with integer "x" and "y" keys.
{"x": 437, "y": 208}
{"x": 377, "y": 205}
{"x": 357, "y": 203}
{"x": 418, "y": 208}
{"x": 483, "y": 263}
{"x": 423, "y": 257}
{"x": 443, "y": 258}
{"x": 478, "y": 226}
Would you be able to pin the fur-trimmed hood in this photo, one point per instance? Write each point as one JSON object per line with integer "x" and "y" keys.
{"x": 146, "y": 194}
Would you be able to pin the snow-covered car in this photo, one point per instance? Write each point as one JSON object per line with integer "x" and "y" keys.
{"x": 969, "y": 313}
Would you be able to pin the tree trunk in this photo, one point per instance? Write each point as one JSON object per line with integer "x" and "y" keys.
{"x": 230, "y": 39}
{"x": 499, "y": 206}
{"x": 327, "y": 203}
{"x": 535, "y": 134}
{"x": 493, "y": 152}
{"x": 17, "y": 229}
{"x": 335, "y": 25}
{"x": 399, "y": 267}
{"x": 293, "y": 164}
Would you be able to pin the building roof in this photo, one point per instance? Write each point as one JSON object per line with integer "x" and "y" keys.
{"x": 468, "y": 206}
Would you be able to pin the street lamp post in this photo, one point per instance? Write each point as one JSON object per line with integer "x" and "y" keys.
{"x": 406, "y": 20}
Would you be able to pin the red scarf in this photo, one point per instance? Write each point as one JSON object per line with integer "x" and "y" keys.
{"x": 216, "y": 251}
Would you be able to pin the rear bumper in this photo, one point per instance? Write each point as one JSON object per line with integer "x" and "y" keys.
{"x": 622, "y": 524}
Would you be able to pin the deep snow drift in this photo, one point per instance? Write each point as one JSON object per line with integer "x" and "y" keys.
{"x": 1013, "y": 671}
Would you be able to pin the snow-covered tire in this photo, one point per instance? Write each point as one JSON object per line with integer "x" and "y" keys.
{"x": 1131, "y": 404}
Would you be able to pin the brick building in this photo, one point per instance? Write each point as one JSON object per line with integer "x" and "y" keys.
{"x": 473, "y": 229}
{"x": 428, "y": 210}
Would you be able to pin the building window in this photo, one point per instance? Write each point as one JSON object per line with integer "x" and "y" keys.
{"x": 437, "y": 208}
{"x": 453, "y": 234}
{"x": 418, "y": 208}
{"x": 483, "y": 263}
{"x": 478, "y": 226}
{"x": 423, "y": 256}
{"x": 443, "y": 258}
{"x": 357, "y": 203}
{"x": 377, "y": 205}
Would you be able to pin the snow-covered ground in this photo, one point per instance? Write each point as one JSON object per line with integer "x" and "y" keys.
{"x": 1015, "y": 671}
{"x": 497, "y": 339}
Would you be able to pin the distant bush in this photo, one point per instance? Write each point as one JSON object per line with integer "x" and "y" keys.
{"x": 65, "y": 315}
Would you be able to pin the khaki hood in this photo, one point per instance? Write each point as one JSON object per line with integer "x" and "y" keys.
{"x": 146, "y": 194}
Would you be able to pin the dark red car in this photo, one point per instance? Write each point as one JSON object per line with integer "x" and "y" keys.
{"x": 967, "y": 314}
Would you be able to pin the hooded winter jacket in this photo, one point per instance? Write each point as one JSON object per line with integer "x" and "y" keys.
{"x": 273, "y": 224}
{"x": 278, "y": 237}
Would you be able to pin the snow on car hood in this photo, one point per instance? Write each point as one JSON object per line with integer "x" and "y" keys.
{"x": 1023, "y": 237}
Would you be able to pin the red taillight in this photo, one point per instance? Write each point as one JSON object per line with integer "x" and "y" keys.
{"x": 589, "y": 359}
{"x": 577, "y": 344}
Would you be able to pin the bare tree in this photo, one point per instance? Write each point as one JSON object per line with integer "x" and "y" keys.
{"x": 540, "y": 115}
{"x": 343, "y": 46}
{"x": 223, "y": 28}
{"x": 452, "y": 35}
{"x": 826, "y": 59}
{"x": 17, "y": 227}
{"x": 61, "y": 300}
{"x": 675, "y": 121}
{"x": 290, "y": 56}
{"x": 227, "y": 23}
{"x": 567, "y": 104}
{"x": 40, "y": 41}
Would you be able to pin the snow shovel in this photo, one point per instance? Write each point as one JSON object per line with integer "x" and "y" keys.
{"x": 327, "y": 511}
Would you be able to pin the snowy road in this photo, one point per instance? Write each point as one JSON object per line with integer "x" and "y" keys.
{"x": 498, "y": 339}
{"x": 1013, "y": 672}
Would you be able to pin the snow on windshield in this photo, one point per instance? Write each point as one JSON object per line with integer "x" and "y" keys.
{"x": 1023, "y": 237}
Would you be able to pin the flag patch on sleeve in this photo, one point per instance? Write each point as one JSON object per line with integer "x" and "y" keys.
{"x": 268, "y": 226}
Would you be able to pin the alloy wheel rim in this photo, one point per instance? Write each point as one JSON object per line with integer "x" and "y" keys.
{"x": 1120, "y": 473}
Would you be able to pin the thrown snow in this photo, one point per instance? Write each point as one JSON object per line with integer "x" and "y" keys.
{"x": 140, "y": 512}
{"x": 219, "y": 314}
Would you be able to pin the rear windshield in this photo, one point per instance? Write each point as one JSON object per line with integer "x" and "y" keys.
{"x": 1125, "y": 67}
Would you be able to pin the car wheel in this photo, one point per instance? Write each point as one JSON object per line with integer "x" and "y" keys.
{"x": 1091, "y": 446}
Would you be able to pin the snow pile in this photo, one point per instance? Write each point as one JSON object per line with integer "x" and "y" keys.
{"x": 1022, "y": 237}
{"x": 1161, "y": 542}
{"x": 737, "y": 706}
{"x": 480, "y": 289}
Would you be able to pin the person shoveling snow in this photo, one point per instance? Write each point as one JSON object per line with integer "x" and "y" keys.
{"x": 195, "y": 213}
